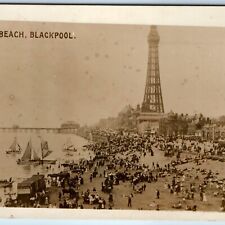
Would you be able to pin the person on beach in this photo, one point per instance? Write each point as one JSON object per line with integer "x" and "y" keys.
{"x": 223, "y": 204}
{"x": 129, "y": 203}
{"x": 91, "y": 177}
{"x": 157, "y": 194}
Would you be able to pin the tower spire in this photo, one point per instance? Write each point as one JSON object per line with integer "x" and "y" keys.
{"x": 153, "y": 102}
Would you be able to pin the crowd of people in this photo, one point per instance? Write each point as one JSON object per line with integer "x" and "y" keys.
{"x": 188, "y": 183}
{"x": 127, "y": 166}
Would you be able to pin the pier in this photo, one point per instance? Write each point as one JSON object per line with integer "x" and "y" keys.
{"x": 39, "y": 129}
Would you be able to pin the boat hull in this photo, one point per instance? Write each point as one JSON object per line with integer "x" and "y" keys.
{"x": 45, "y": 161}
{"x": 30, "y": 162}
{"x": 36, "y": 162}
{"x": 12, "y": 152}
{"x": 69, "y": 150}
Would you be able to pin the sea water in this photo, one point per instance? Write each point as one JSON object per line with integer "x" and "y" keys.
{"x": 56, "y": 142}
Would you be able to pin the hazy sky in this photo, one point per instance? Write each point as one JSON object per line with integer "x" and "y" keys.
{"x": 46, "y": 82}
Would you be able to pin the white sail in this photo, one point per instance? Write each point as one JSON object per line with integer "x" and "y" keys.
{"x": 18, "y": 148}
{"x": 35, "y": 155}
{"x": 45, "y": 150}
{"x": 27, "y": 154}
{"x": 15, "y": 147}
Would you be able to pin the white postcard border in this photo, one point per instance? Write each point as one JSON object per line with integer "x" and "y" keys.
{"x": 158, "y": 15}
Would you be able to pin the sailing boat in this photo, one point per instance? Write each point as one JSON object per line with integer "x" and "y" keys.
{"x": 69, "y": 146}
{"x": 30, "y": 156}
{"x": 14, "y": 148}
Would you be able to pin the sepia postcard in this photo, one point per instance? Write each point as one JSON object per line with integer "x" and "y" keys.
{"x": 102, "y": 117}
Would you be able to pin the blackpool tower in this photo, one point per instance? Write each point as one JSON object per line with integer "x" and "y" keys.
{"x": 152, "y": 108}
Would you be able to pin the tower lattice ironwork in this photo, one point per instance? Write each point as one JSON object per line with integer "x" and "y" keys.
{"x": 153, "y": 102}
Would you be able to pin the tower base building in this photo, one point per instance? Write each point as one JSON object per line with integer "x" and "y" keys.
{"x": 149, "y": 122}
